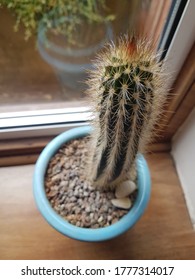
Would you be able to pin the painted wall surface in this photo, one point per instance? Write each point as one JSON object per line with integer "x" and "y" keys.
{"x": 183, "y": 152}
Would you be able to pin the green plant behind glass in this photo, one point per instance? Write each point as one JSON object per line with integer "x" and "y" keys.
{"x": 31, "y": 12}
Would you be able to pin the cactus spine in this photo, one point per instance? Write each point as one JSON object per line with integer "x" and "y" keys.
{"x": 127, "y": 89}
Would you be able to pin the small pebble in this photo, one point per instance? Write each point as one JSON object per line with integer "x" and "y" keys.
{"x": 86, "y": 194}
{"x": 109, "y": 218}
{"x": 124, "y": 203}
{"x": 52, "y": 193}
{"x": 100, "y": 219}
{"x": 114, "y": 221}
{"x": 64, "y": 184}
{"x": 125, "y": 189}
{"x": 88, "y": 209}
{"x": 55, "y": 178}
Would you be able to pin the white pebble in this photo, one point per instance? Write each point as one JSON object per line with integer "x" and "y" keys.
{"x": 125, "y": 189}
{"x": 88, "y": 209}
{"x": 91, "y": 215}
{"x": 124, "y": 203}
{"x": 100, "y": 219}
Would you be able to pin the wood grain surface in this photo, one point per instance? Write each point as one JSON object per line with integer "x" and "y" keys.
{"x": 164, "y": 232}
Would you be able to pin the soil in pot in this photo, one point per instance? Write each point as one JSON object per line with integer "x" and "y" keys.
{"x": 72, "y": 196}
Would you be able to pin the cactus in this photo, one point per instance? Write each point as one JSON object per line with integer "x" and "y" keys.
{"x": 128, "y": 90}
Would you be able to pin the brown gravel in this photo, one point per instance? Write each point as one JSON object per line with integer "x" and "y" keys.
{"x": 72, "y": 196}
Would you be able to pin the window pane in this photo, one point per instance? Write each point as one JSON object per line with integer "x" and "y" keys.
{"x": 47, "y": 72}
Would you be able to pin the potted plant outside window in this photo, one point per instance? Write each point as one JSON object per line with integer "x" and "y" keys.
{"x": 68, "y": 34}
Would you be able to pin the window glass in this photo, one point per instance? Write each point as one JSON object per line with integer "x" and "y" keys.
{"x": 47, "y": 71}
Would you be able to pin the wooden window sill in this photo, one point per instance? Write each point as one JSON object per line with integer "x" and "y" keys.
{"x": 164, "y": 232}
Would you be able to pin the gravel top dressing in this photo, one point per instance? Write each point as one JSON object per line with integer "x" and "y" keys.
{"x": 72, "y": 196}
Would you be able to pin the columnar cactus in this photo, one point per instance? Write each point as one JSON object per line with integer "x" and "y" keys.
{"x": 128, "y": 91}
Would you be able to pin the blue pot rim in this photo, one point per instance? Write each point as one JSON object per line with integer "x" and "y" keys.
{"x": 78, "y": 233}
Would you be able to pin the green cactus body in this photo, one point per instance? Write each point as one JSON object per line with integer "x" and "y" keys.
{"x": 129, "y": 92}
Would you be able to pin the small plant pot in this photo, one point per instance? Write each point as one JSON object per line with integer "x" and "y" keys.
{"x": 69, "y": 60}
{"x": 85, "y": 234}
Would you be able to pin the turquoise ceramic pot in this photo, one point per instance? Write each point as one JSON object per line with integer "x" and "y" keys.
{"x": 84, "y": 234}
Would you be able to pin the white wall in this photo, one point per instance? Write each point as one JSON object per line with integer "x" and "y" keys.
{"x": 183, "y": 152}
